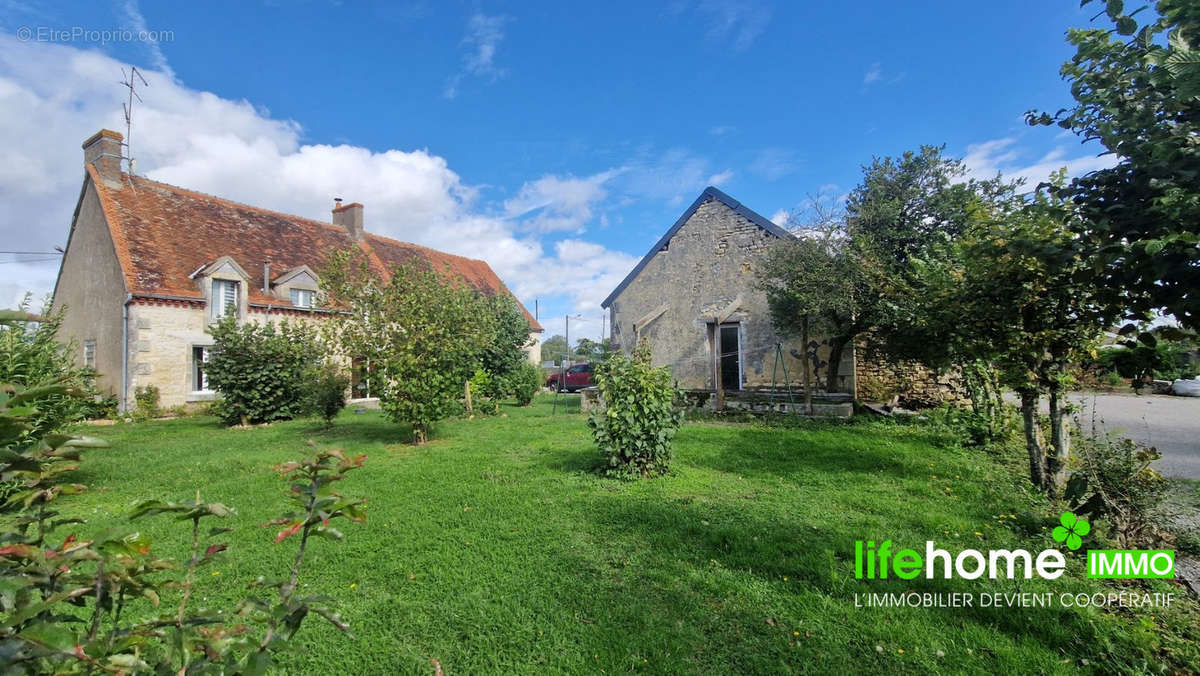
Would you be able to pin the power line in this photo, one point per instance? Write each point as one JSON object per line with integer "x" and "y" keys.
{"x": 27, "y": 262}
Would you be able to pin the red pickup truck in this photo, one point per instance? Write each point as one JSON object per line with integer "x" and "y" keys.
{"x": 577, "y": 377}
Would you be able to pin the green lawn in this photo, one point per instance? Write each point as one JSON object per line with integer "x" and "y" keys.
{"x": 496, "y": 548}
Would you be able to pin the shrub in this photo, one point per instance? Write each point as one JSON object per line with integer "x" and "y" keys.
{"x": 483, "y": 394}
{"x": 100, "y": 407}
{"x": 146, "y": 402}
{"x": 74, "y": 605}
{"x": 326, "y": 388}
{"x": 525, "y": 382}
{"x": 1115, "y": 482}
{"x": 640, "y": 414}
{"x": 504, "y": 350}
{"x": 422, "y": 331}
{"x": 259, "y": 370}
{"x": 30, "y": 355}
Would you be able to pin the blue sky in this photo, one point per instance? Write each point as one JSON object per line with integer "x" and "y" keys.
{"x": 555, "y": 140}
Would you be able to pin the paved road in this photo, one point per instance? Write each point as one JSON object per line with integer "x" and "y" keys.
{"x": 1172, "y": 424}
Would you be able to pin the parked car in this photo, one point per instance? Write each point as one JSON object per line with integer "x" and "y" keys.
{"x": 577, "y": 377}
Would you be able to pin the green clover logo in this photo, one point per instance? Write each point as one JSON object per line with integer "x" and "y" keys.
{"x": 1072, "y": 530}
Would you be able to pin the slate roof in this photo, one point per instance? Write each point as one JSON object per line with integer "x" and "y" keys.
{"x": 710, "y": 193}
{"x": 164, "y": 233}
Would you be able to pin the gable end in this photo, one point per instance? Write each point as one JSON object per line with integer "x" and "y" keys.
{"x": 709, "y": 193}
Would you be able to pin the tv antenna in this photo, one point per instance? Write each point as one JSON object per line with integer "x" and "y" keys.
{"x": 130, "y": 82}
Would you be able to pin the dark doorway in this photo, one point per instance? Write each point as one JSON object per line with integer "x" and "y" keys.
{"x": 731, "y": 358}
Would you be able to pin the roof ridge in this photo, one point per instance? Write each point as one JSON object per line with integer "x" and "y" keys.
{"x": 284, "y": 214}
{"x": 233, "y": 203}
{"x": 393, "y": 240}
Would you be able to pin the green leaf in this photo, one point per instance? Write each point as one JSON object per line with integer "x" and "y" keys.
{"x": 49, "y": 635}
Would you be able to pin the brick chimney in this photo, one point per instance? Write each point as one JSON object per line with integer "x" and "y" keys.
{"x": 103, "y": 151}
{"x": 350, "y": 217}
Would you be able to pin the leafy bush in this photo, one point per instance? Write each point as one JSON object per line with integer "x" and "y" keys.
{"x": 484, "y": 400}
{"x": 326, "y": 388}
{"x": 525, "y": 382}
{"x": 74, "y": 605}
{"x": 1165, "y": 360}
{"x": 146, "y": 402}
{"x": 100, "y": 407}
{"x": 30, "y": 355}
{"x": 1115, "y": 482}
{"x": 504, "y": 351}
{"x": 640, "y": 414}
{"x": 422, "y": 331}
{"x": 259, "y": 370}
{"x": 975, "y": 429}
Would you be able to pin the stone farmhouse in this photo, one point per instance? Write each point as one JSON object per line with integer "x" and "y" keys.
{"x": 149, "y": 267}
{"x": 693, "y": 296}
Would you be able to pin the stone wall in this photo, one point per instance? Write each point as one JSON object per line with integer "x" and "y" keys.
{"x": 707, "y": 265}
{"x": 162, "y": 335}
{"x": 880, "y": 379}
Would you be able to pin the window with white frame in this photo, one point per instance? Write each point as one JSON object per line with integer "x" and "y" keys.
{"x": 199, "y": 377}
{"x": 224, "y": 298}
{"x": 89, "y": 353}
{"x": 303, "y": 297}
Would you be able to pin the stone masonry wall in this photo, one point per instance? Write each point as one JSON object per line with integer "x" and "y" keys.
{"x": 706, "y": 265}
{"x": 162, "y": 335}
{"x": 880, "y": 379}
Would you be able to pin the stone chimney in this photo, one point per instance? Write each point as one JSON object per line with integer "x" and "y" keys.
{"x": 350, "y": 217}
{"x": 103, "y": 151}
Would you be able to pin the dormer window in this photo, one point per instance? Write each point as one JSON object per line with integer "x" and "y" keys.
{"x": 303, "y": 297}
{"x": 224, "y": 298}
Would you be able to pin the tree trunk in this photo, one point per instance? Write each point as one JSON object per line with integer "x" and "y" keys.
{"x": 1060, "y": 443}
{"x": 808, "y": 405}
{"x": 1033, "y": 442}
{"x": 837, "y": 345}
{"x": 467, "y": 394}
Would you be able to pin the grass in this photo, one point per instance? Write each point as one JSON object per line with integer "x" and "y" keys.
{"x": 496, "y": 548}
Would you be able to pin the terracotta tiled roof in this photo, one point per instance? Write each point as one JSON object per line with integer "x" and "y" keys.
{"x": 164, "y": 233}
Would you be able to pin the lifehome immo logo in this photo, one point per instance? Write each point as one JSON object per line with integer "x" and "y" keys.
{"x": 884, "y": 560}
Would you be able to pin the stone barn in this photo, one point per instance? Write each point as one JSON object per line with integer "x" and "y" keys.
{"x": 692, "y": 296}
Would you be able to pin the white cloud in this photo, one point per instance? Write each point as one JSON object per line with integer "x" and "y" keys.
{"x": 1005, "y": 156}
{"x": 137, "y": 23}
{"x": 721, "y": 129}
{"x": 673, "y": 176}
{"x": 780, "y": 217}
{"x": 555, "y": 203}
{"x": 482, "y": 39}
{"x": 53, "y": 96}
{"x": 720, "y": 178}
{"x": 739, "y": 22}
{"x": 874, "y": 74}
{"x": 773, "y": 163}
